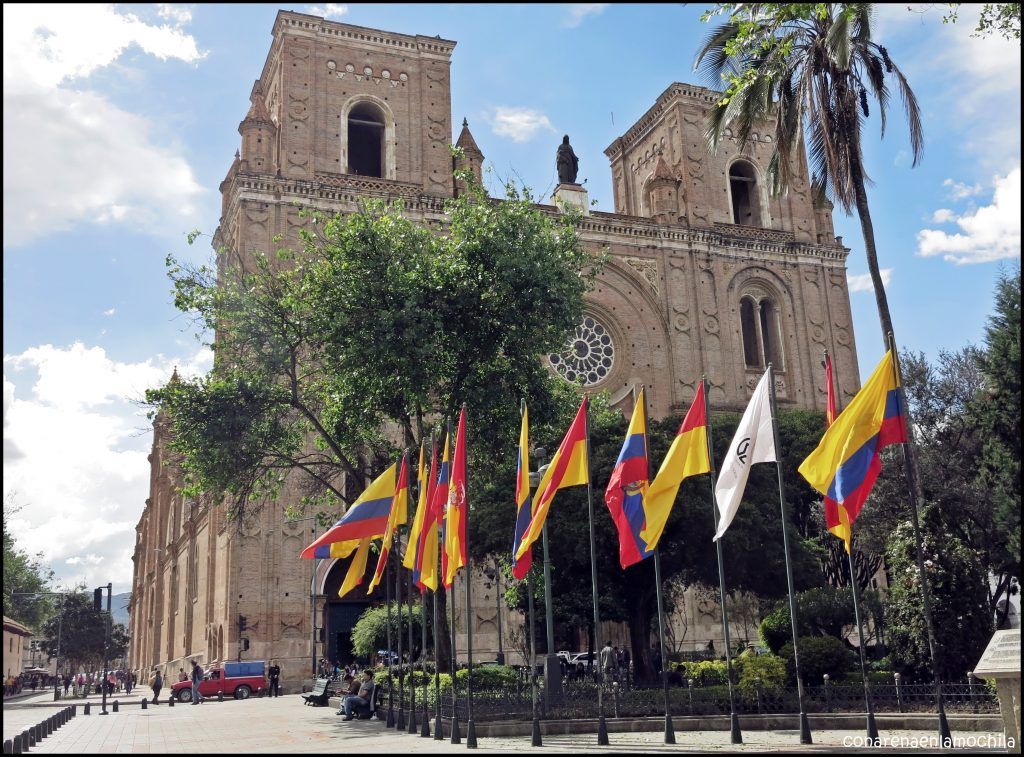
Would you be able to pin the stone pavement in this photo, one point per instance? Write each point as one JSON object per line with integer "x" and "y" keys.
{"x": 285, "y": 725}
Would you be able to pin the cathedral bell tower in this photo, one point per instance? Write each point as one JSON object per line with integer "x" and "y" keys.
{"x": 259, "y": 135}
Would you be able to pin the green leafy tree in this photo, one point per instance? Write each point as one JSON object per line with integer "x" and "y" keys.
{"x": 23, "y": 576}
{"x": 81, "y": 630}
{"x": 370, "y": 633}
{"x": 995, "y": 18}
{"x": 810, "y": 70}
{"x": 823, "y": 611}
{"x": 960, "y": 610}
{"x": 819, "y": 656}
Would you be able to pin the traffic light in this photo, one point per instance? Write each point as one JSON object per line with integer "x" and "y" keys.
{"x": 242, "y": 623}
{"x": 245, "y": 645}
{"x": 97, "y": 599}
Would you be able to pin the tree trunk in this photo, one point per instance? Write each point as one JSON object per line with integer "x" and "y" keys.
{"x": 868, "y": 231}
{"x": 640, "y": 637}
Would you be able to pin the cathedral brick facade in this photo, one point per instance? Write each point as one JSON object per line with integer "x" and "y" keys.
{"x": 708, "y": 274}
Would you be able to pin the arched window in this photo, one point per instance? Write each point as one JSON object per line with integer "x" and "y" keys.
{"x": 746, "y": 200}
{"x": 366, "y": 140}
{"x": 760, "y": 329}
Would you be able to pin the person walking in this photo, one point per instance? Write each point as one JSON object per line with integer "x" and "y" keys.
{"x": 275, "y": 679}
{"x": 197, "y": 678}
{"x": 156, "y": 682}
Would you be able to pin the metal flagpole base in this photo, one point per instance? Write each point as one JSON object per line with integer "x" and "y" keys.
{"x": 412, "y": 721}
{"x": 425, "y": 727}
{"x": 438, "y": 729}
{"x": 456, "y": 735}
{"x": 471, "y": 735}
{"x": 536, "y": 740}
{"x": 805, "y": 729}
{"x": 602, "y": 732}
{"x": 390, "y": 723}
{"x": 873, "y": 730}
{"x": 735, "y": 734}
{"x": 670, "y": 731}
{"x": 400, "y": 720}
{"x": 944, "y": 734}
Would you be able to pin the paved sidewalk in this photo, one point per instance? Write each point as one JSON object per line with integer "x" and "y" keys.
{"x": 284, "y": 725}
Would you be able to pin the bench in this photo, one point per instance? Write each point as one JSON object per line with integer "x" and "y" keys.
{"x": 365, "y": 712}
{"x": 320, "y": 694}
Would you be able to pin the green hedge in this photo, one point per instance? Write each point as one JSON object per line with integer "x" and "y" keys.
{"x": 771, "y": 671}
{"x": 705, "y": 672}
{"x": 819, "y": 655}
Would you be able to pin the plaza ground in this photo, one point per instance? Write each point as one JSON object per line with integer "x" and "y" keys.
{"x": 285, "y": 725}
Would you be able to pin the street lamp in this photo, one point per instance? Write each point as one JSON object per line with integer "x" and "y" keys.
{"x": 494, "y": 574}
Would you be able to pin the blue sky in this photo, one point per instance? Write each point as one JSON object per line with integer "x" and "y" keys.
{"x": 121, "y": 121}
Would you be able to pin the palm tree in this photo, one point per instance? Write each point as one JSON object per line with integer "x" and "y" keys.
{"x": 811, "y": 69}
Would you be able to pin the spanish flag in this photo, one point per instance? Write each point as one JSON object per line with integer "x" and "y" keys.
{"x": 455, "y": 526}
{"x": 688, "y": 456}
{"x": 366, "y": 517}
{"x": 426, "y": 557}
{"x": 357, "y": 568}
{"x": 625, "y": 492}
{"x": 846, "y": 462}
{"x": 568, "y": 468}
{"x": 398, "y": 506}
{"x": 521, "y": 566}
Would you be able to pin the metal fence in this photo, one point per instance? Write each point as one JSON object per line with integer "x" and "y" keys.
{"x": 580, "y": 700}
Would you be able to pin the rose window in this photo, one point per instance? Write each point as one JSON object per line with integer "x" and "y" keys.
{"x": 590, "y": 354}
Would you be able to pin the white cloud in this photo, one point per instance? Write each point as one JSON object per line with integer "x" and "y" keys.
{"x": 70, "y": 155}
{"x": 80, "y": 466}
{"x": 521, "y": 124}
{"x": 330, "y": 10}
{"x": 958, "y": 190}
{"x": 578, "y": 12}
{"x": 179, "y": 14}
{"x": 862, "y": 281}
{"x": 991, "y": 232}
{"x": 943, "y": 215}
{"x": 110, "y": 312}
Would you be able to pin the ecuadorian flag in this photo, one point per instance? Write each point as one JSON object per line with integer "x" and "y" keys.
{"x": 625, "y": 492}
{"x": 366, "y": 519}
{"x": 846, "y": 462}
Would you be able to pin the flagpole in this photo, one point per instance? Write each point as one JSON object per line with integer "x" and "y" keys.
{"x": 805, "y": 728}
{"x": 450, "y": 595}
{"x": 552, "y": 667}
{"x": 670, "y": 734}
{"x": 602, "y": 727}
{"x": 408, "y": 578}
{"x": 871, "y": 727}
{"x": 390, "y": 723}
{"x": 425, "y": 724}
{"x": 910, "y": 463}
{"x": 438, "y": 723}
{"x": 467, "y": 570}
{"x": 735, "y": 734}
{"x": 536, "y": 737}
{"x": 400, "y": 720}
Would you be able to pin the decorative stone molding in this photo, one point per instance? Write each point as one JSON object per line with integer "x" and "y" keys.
{"x": 647, "y": 268}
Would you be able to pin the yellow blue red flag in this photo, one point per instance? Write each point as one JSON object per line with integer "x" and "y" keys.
{"x": 398, "y": 506}
{"x": 846, "y": 462}
{"x": 521, "y": 566}
{"x": 625, "y": 492}
{"x": 357, "y": 568}
{"x": 366, "y": 517}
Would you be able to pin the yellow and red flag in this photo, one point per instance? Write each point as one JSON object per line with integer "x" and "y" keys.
{"x": 688, "y": 456}
{"x": 409, "y": 559}
{"x": 357, "y": 568}
{"x": 521, "y": 566}
{"x": 568, "y": 468}
{"x": 425, "y": 572}
{"x": 455, "y": 527}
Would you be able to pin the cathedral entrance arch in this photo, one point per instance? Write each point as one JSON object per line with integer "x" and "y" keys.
{"x": 341, "y": 613}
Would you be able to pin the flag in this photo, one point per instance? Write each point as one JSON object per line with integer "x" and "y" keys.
{"x": 830, "y": 393}
{"x": 846, "y": 462}
{"x": 409, "y": 559}
{"x": 424, "y": 571}
{"x": 627, "y": 487}
{"x": 431, "y": 535}
{"x": 357, "y": 568}
{"x": 568, "y": 468}
{"x": 455, "y": 520}
{"x": 754, "y": 442}
{"x": 398, "y": 506}
{"x": 366, "y": 517}
{"x": 688, "y": 456}
{"x": 521, "y": 566}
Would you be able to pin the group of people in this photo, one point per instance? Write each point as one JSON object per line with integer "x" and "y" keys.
{"x": 358, "y": 693}
{"x": 79, "y": 684}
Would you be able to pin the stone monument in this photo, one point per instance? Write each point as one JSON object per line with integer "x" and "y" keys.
{"x": 1001, "y": 662}
{"x": 568, "y": 192}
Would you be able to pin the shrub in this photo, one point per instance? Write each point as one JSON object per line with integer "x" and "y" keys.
{"x": 819, "y": 655}
{"x": 706, "y": 672}
{"x": 775, "y": 630}
{"x": 488, "y": 677}
{"x": 770, "y": 669}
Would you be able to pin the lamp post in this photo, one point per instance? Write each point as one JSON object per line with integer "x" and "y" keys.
{"x": 494, "y": 574}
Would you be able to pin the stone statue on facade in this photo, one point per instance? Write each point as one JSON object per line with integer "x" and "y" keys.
{"x": 567, "y": 163}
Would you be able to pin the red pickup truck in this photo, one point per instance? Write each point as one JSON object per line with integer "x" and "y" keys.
{"x": 237, "y": 679}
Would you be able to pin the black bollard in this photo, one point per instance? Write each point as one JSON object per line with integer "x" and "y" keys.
{"x": 86, "y": 708}
{"x": 170, "y": 701}
{"x": 115, "y": 706}
{"x": 30, "y": 740}
{"x": 145, "y": 703}
{"x": 74, "y": 710}
{"x": 39, "y": 733}
{"x": 48, "y": 725}
{"x": 220, "y": 696}
{"x": 8, "y": 747}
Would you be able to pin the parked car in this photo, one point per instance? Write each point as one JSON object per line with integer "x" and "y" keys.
{"x": 583, "y": 657}
{"x": 233, "y": 679}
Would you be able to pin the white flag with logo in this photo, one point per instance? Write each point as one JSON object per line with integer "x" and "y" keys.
{"x": 754, "y": 443}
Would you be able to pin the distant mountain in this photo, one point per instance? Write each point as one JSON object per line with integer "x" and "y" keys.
{"x": 119, "y": 608}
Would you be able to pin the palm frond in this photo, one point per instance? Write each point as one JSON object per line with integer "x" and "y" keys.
{"x": 913, "y": 115}
{"x": 837, "y": 42}
{"x": 712, "y": 60}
